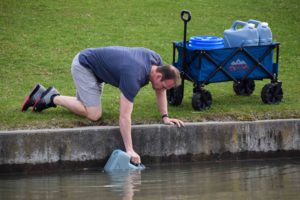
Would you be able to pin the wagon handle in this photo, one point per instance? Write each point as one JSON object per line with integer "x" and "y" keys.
{"x": 186, "y": 17}
{"x": 187, "y": 14}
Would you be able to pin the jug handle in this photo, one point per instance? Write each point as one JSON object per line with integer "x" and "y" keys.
{"x": 236, "y": 23}
{"x": 253, "y": 21}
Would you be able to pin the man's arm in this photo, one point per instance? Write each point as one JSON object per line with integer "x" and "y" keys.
{"x": 126, "y": 108}
{"x": 161, "y": 96}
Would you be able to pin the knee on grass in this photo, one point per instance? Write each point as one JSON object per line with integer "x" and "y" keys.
{"x": 94, "y": 116}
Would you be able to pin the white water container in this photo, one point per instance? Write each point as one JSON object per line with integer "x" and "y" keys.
{"x": 264, "y": 32}
{"x": 120, "y": 161}
{"x": 247, "y": 35}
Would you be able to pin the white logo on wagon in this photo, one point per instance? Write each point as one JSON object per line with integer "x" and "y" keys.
{"x": 238, "y": 65}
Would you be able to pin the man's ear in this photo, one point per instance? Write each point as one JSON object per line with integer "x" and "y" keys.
{"x": 159, "y": 76}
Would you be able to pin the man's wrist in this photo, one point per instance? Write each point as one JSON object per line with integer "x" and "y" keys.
{"x": 164, "y": 115}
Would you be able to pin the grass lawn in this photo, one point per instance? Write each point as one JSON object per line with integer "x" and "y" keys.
{"x": 40, "y": 38}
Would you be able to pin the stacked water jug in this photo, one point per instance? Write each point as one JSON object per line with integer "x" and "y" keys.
{"x": 251, "y": 33}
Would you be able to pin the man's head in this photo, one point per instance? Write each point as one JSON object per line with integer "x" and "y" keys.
{"x": 165, "y": 77}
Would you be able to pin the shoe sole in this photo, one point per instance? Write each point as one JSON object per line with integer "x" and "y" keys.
{"x": 34, "y": 106}
{"x": 23, "y": 108}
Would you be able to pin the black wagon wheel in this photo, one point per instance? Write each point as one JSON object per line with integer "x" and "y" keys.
{"x": 201, "y": 100}
{"x": 272, "y": 93}
{"x": 244, "y": 87}
{"x": 175, "y": 95}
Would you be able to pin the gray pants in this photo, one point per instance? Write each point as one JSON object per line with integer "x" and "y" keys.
{"x": 88, "y": 89}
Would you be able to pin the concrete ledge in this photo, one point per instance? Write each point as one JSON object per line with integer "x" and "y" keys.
{"x": 155, "y": 143}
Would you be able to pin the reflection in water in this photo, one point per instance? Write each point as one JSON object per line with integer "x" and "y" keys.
{"x": 125, "y": 183}
{"x": 272, "y": 179}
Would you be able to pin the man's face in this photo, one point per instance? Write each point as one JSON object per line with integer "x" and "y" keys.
{"x": 158, "y": 84}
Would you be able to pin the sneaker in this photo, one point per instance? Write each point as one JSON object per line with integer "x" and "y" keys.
{"x": 34, "y": 95}
{"x": 46, "y": 100}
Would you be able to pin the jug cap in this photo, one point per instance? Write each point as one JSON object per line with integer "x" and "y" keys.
{"x": 264, "y": 24}
{"x": 252, "y": 26}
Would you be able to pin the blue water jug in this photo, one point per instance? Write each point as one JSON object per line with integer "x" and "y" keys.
{"x": 245, "y": 36}
{"x": 205, "y": 42}
{"x": 264, "y": 32}
{"x": 120, "y": 161}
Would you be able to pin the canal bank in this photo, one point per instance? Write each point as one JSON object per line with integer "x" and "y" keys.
{"x": 77, "y": 148}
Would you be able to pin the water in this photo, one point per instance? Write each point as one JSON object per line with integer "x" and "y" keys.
{"x": 272, "y": 179}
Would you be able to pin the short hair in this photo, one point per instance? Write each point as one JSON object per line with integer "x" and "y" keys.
{"x": 170, "y": 72}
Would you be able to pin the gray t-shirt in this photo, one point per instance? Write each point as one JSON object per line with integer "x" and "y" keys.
{"x": 127, "y": 68}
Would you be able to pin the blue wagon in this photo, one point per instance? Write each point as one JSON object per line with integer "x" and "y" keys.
{"x": 242, "y": 65}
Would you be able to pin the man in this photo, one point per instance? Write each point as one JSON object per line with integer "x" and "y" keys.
{"x": 127, "y": 68}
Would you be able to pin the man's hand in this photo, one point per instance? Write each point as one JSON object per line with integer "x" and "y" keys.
{"x": 172, "y": 121}
{"x": 135, "y": 158}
